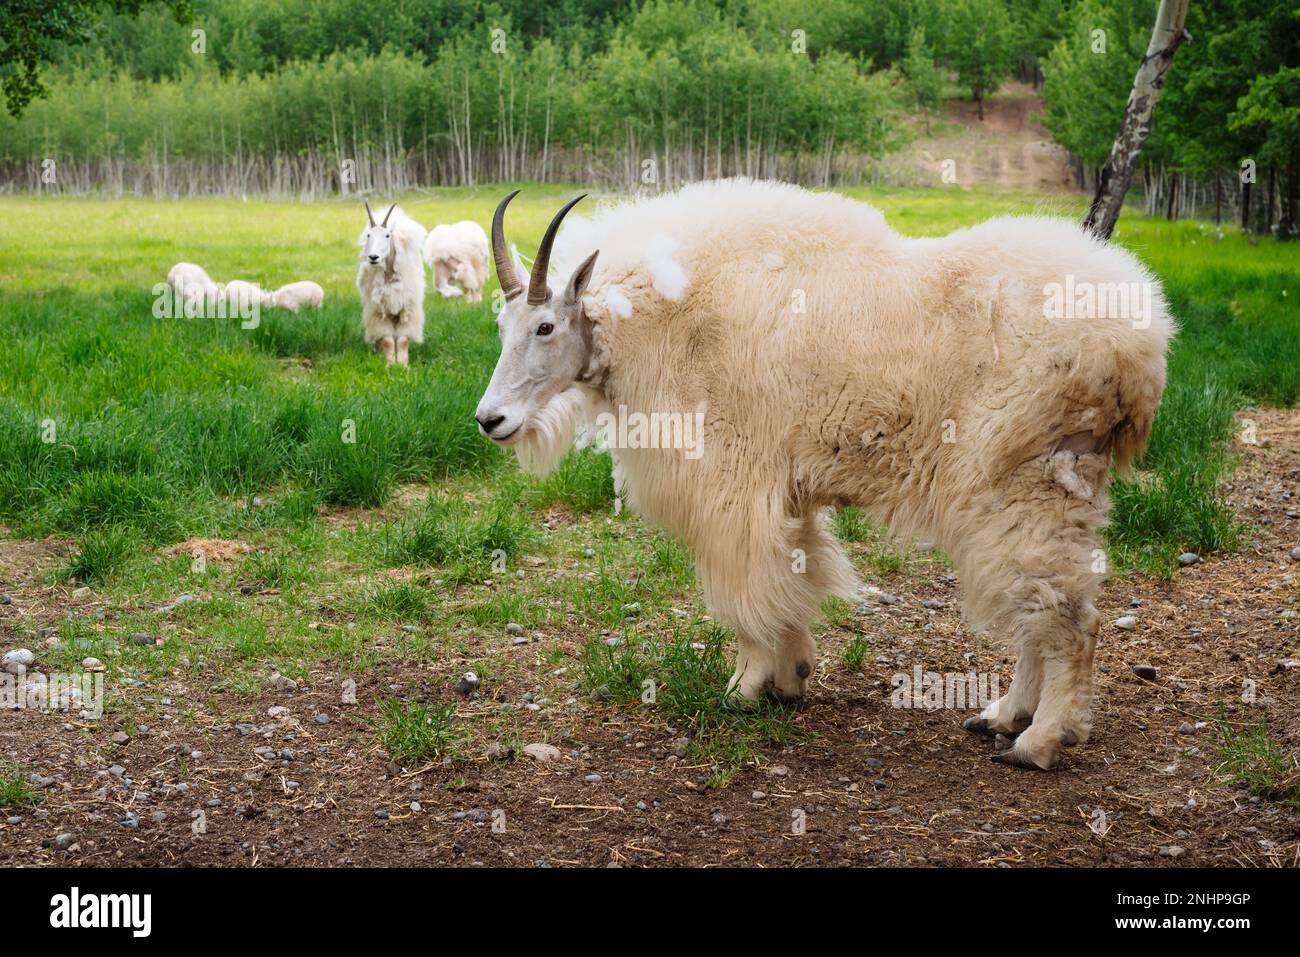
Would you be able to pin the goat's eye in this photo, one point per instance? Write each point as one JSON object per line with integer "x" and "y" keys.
{"x": 545, "y": 329}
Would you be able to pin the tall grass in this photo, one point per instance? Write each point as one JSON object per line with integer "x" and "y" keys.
{"x": 113, "y": 419}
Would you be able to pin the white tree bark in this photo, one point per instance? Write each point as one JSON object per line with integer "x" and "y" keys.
{"x": 1169, "y": 34}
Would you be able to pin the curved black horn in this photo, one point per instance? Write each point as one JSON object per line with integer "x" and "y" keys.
{"x": 387, "y": 214}
{"x": 506, "y": 275}
{"x": 538, "y": 291}
{"x": 369, "y": 215}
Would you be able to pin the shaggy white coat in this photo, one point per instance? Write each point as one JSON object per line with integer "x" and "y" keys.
{"x": 242, "y": 295}
{"x": 298, "y": 295}
{"x": 392, "y": 292}
{"x": 192, "y": 284}
{"x": 458, "y": 255}
{"x": 841, "y": 363}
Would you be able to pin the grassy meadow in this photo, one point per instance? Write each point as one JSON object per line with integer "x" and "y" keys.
{"x": 122, "y": 435}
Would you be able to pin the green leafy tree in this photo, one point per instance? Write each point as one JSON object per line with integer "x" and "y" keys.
{"x": 924, "y": 82}
{"x": 980, "y": 46}
{"x": 33, "y": 31}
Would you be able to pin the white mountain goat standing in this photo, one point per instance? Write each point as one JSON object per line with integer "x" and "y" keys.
{"x": 391, "y": 282}
{"x": 457, "y": 253}
{"x": 934, "y": 382}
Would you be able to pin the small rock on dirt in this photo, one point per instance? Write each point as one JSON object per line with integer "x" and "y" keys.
{"x": 514, "y": 629}
{"x": 1188, "y": 558}
{"x": 1126, "y": 623}
{"x": 64, "y": 841}
{"x": 542, "y": 752}
{"x": 17, "y": 660}
{"x": 468, "y": 683}
{"x": 1146, "y": 672}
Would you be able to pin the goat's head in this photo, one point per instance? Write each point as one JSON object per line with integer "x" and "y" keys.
{"x": 546, "y": 343}
{"x": 377, "y": 240}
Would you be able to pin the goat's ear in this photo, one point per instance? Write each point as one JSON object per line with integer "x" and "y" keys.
{"x": 581, "y": 276}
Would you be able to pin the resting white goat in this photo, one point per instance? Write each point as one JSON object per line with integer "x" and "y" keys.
{"x": 458, "y": 255}
{"x": 946, "y": 385}
{"x": 298, "y": 295}
{"x": 391, "y": 282}
{"x": 243, "y": 295}
{"x": 192, "y": 285}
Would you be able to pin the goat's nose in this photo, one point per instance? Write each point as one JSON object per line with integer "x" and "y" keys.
{"x": 489, "y": 422}
{"x": 374, "y": 259}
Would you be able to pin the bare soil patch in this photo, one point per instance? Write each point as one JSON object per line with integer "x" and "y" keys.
{"x": 869, "y": 785}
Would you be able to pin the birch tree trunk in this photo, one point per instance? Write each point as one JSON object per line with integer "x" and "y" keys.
{"x": 1116, "y": 175}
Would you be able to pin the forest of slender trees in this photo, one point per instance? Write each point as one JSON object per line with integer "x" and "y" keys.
{"x": 317, "y": 97}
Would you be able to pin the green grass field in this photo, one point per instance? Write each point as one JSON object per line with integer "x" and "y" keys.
{"x": 123, "y": 434}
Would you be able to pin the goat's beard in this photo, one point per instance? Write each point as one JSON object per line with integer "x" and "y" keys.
{"x": 548, "y": 435}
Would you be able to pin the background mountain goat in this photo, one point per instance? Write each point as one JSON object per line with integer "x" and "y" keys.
{"x": 298, "y": 295}
{"x": 390, "y": 279}
{"x": 835, "y": 362}
{"x": 457, "y": 253}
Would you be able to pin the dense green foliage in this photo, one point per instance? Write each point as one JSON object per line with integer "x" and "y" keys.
{"x": 1232, "y": 96}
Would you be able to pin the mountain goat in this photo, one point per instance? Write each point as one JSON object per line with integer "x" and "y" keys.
{"x": 192, "y": 285}
{"x": 242, "y": 295}
{"x": 945, "y": 385}
{"x": 457, "y": 253}
{"x": 298, "y": 295}
{"x": 391, "y": 282}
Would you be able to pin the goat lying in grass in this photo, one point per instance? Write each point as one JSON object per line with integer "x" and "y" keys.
{"x": 391, "y": 282}
{"x": 298, "y": 295}
{"x": 833, "y": 361}
{"x": 457, "y": 253}
{"x": 192, "y": 284}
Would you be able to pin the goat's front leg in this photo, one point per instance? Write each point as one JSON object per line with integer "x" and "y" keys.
{"x": 388, "y": 347}
{"x": 403, "y": 350}
{"x": 781, "y": 671}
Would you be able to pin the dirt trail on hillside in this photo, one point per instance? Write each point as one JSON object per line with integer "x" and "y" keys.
{"x": 1008, "y": 149}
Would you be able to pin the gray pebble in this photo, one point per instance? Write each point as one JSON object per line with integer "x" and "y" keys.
{"x": 468, "y": 683}
{"x": 143, "y": 639}
{"x": 16, "y": 660}
{"x": 515, "y": 629}
{"x": 593, "y": 779}
{"x": 64, "y": 841}
{"x": 1188, "y": 558}
{"x": 1145, "y": 672}
{"x": 934, "y": 603}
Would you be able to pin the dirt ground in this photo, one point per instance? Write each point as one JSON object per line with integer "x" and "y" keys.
{"x": 1008, "y": 148}
{"x": 870, "y": 784}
